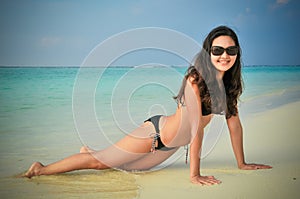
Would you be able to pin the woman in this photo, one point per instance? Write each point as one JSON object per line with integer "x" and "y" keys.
{"x": 211, "y": 86}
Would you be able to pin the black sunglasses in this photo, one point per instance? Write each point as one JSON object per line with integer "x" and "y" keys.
{"x": 218, "y": 50}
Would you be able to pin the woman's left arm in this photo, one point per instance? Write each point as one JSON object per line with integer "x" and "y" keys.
{"x": 236, "y": 135}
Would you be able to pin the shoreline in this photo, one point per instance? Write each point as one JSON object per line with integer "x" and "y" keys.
{"x": 269, "y": 101}
{"x": 270, "y": 137}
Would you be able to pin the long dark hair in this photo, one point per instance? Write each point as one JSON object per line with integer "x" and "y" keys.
{"x": 204, "y": 74}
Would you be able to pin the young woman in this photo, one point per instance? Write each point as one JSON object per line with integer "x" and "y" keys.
{"x": 211, "y": 86}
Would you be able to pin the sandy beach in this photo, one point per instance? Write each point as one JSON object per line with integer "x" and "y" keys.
{"x": 270, "y": 137}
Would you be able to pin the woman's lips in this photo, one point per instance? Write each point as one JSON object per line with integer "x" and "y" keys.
{"x": 224, "y": 62}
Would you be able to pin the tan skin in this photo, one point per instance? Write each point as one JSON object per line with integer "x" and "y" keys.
{"x": 185, "y": 126}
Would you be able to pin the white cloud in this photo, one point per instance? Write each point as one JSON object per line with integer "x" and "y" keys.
{"x": 137, "y": 10}
{"x": 49, "y": 41}
{"x": 282, "y": 2}
{"x": 248, "y": 10}
{"x": 278, "y": 4}
{"x": 247, "y": 16}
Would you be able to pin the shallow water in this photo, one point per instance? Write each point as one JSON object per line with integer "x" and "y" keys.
{"x": 80, "y": 184}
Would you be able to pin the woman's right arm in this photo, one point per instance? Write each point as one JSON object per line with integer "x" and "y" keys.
{"x": 193, "y": 104}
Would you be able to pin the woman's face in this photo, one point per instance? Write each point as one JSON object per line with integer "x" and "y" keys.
{"x": 224, "y": 61}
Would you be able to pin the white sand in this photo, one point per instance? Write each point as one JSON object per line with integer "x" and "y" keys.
{"x": 270, "y": 137}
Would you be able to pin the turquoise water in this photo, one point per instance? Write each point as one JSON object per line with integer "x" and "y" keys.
{"x": 265, "y": 80}
{"x": 34, "y": 98}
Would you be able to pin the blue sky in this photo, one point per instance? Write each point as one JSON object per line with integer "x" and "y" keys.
{"x": 52, "y": 32}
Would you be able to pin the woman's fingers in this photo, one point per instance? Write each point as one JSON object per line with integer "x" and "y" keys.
{"x": 205, "y": 180}
{"x": 255, "y": 166}
{"x": 264, "y": 166}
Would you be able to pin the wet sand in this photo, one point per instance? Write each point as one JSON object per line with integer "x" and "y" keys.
{"x": 270, "y": 137}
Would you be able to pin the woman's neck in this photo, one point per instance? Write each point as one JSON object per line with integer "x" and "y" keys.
{"x": 220, "y": 75}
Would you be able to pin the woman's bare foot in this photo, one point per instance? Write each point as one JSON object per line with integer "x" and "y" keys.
{"x": 86, "y": 149}
{"x": 34, "y": 170}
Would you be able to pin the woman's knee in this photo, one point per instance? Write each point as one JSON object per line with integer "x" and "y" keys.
{"x": 97, "y": 164}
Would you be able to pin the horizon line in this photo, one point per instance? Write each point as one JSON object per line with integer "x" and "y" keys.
{"x": 126, "y": 66}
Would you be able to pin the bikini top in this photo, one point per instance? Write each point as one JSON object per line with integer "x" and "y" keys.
{"x": 207, "y": 110}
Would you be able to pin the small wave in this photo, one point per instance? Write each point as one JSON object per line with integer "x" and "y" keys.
{"x": 270, "y": 101}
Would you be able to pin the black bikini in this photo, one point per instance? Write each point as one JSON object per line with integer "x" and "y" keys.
{"x": 156, "y": 138}
{"x": 160, "y": 145}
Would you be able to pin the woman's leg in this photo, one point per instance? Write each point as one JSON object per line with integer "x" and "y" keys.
{"x": 130, "y": 148}
{"x": 86, "y": 149}
{"x": 149, "y": 161}
{"x": 71, "y": 163}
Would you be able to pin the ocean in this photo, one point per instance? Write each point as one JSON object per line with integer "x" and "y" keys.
{"x": 43, "y": 112}
{"x": 36, "y": 97}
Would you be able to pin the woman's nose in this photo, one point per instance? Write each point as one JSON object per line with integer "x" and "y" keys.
{"x": 224, "y": 55}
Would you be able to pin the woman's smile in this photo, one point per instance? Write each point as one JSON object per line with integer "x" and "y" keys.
{"x": 224, "y": 61}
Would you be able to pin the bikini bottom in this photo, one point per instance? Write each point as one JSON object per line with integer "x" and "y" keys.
{"x": 156, "y": 138}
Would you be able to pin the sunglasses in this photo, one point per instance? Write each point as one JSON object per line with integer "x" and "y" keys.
{"x": 218, "y": 50}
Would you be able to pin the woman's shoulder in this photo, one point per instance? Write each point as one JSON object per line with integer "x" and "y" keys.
{"x": 192, "y": 81}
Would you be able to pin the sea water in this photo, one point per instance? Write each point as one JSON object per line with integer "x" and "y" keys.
{"x": 34, "y": 99}
{"x": 40, "y": 98}
{"x": 38, "y": 105}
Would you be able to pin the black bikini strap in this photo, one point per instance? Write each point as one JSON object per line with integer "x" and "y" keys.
{"x": 155, "y": 121}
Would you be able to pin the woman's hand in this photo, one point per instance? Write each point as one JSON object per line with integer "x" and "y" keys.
{"x": 205, "y": 180}
{"x": 254, "y": 166}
